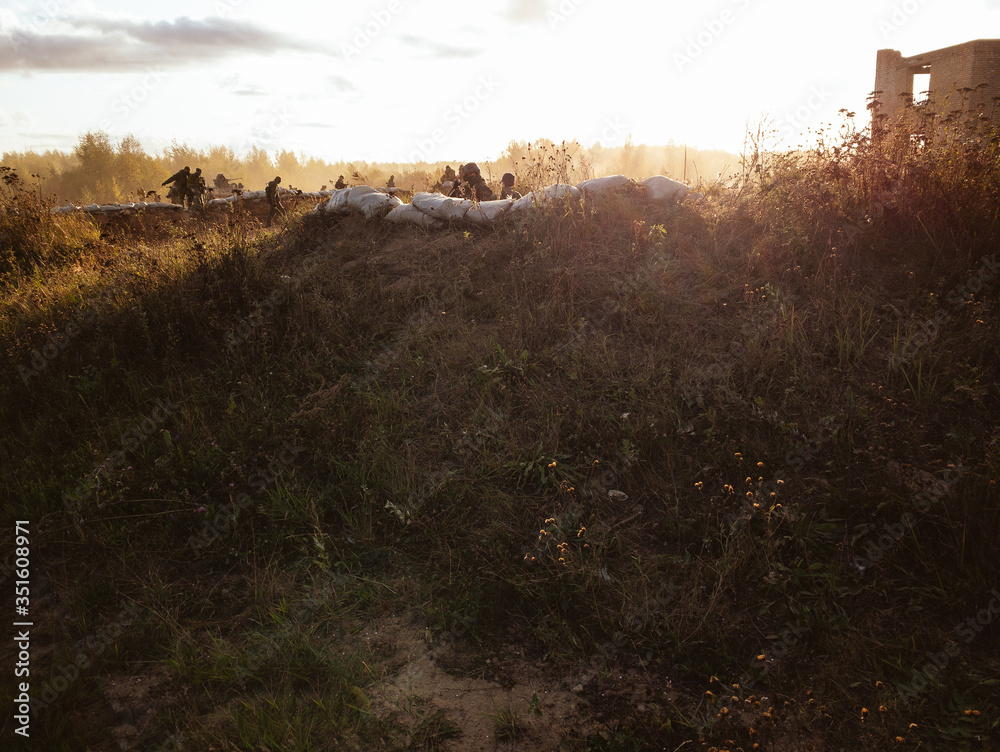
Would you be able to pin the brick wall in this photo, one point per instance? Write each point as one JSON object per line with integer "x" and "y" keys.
{"x": 951, "y": 69}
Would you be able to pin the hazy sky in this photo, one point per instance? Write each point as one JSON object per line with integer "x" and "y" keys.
{"x": 387, "y": 80}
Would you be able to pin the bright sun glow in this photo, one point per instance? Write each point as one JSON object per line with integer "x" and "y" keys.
{"x": 393, "y": 80}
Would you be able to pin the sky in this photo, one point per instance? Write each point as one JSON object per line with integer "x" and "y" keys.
{"x": 402, "y": 80}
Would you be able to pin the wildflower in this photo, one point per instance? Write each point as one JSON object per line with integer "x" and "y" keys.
{"x": 698, "y": 485}
{"x": 739, "y": 456}
{"x": 899, "y": 740}
{"x": 552, "y": 464}
{"x": 882, "y": 708}
{"x": 582, "y": 532}
{"x": 760, "y": 657}
{"x": 550, "y": 521}
{"x": 749, "y": 479}
{"x": 760, "y": 464}
{"x": 972, "y": 712}
{"x": 201, "y": 509}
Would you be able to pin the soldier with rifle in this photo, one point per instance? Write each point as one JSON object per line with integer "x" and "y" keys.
{"x": 271, "y": 194}
{"x": 196, "y": 191}
{"x": 179, "y": 190}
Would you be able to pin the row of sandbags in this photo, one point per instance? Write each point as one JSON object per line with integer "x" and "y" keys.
{"x": 434, "y": 210}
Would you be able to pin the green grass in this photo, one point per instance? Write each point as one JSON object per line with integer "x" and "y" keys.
{"x": 629, "y": 439}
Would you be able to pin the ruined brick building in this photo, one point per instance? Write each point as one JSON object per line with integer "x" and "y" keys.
{"x": 957, "y": 75}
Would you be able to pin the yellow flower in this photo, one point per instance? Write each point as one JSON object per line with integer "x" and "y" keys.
{"x": 552, "y": 464}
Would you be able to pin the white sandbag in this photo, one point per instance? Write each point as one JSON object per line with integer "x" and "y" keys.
{"x": 662, "y": 188}
{"x": 92, "y": 207}
{"x": 487, "y": 212}
{"x": 524, "y": 203}
{"x": 218, "y": 202}
{"x": 598, "y": 186}
{"x": 372, "y": 204}
{"x": 411, "y": 215}
{"x": 550, "y": 193}
{"x": 128, "y": 206}
{"x": 559, "y": 190}
{"x": 337, "y": 203}
{"x": 442, "y": 207}
{"x": 67, "y": 208}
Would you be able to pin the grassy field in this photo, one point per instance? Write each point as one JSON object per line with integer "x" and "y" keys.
{"x": 616, "y": 476}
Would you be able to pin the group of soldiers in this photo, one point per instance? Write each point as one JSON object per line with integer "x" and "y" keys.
{"x": 466, "y": 183}
{"x": 189, "y": 188}
{"x": 469, "y": 183}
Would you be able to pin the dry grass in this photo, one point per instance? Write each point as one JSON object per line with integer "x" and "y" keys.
{"x": 709, "y": 446}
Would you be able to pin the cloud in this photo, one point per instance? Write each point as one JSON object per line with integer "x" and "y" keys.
{"x": 117, "y": 45}
{"x": 439, "y": 50}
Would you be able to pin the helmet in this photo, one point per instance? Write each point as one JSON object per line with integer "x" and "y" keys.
{"x": 187, "y": 169}
{"x": 471, "y": 169}
{"x": 198, "y": 171}
{"x": 507, "y": 178}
